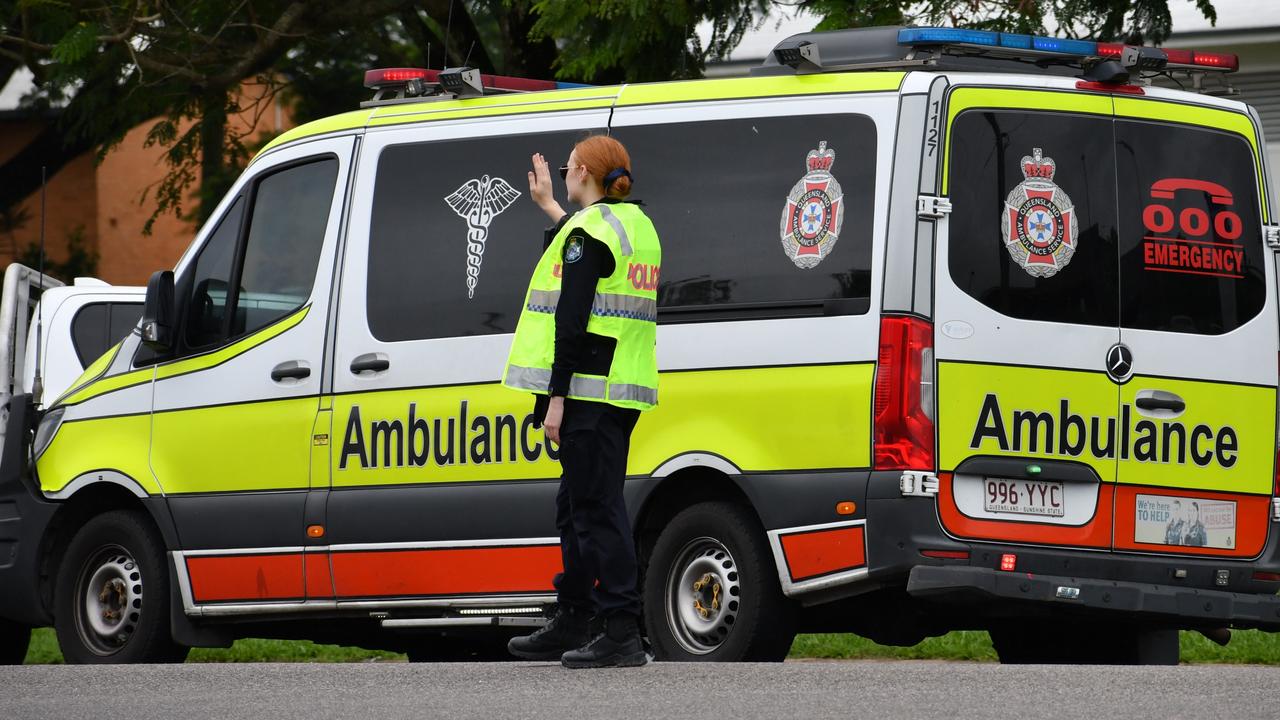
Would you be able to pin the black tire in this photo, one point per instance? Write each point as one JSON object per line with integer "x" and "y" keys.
{"x": 119, "y": 558}
{"x": 722, "y": 546}
{"x": 14, "y": 641}
{"x": 1085, "y": 643}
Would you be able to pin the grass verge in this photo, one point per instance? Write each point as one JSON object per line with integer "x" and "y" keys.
{"x": 1247, "y": 647}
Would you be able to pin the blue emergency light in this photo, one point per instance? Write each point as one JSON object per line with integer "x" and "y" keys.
{"x": 935, "y": 37}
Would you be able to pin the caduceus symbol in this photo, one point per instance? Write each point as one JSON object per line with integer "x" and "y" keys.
{"x": 479, "y": 202}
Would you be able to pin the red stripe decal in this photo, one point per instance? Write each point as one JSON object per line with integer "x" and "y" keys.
{"x": 246, "y": 577}
{"x": 810, "y": 554}
{"x": 447, "y": 571}
{"x": 319, "y": 582}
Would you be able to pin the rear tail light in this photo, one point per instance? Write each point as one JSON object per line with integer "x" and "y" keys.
{"x": 904, "y": 395}
{"x": 1008, "y": 562}
{"x": 946, "y": 554}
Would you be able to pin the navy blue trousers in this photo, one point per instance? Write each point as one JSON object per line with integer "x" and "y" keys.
{"x": 596, "y": 545}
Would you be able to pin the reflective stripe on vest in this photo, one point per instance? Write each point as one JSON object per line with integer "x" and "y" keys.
{"x": 623, "y": 241}
{"x": 631, "y": 307}
{"x": 539, "y": 380}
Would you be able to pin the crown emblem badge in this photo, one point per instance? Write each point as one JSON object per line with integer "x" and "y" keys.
{"x": 1039, "y": 228}
{"x": 814, "y": 212}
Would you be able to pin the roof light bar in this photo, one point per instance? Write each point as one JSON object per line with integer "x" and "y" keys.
{"x": 1003, "y": 43}
{"x": 417, "y": 83}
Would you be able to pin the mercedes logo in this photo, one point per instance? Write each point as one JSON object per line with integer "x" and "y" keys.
{"x": 1119, "y": 362}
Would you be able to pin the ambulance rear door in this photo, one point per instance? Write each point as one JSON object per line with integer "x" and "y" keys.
{"x": 1198, "y": 326}
{"x": 1026, "y": 312}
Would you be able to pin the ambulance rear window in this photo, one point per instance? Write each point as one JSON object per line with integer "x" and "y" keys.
{"x": 1032, "y": 232}
{"x": 759, "y": 217}
{"x": 1191, "y": 250}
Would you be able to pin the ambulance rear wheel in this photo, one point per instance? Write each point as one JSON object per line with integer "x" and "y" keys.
{"x": 14, "y": 640}
{"x": 111, "y": 601}
{"x": 711, "y": 590}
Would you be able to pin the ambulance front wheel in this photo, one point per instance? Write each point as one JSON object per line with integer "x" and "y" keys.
{"x": 111, "y": 601}
{"x": 711, "y": 590}
{"x": 14, "y": 639}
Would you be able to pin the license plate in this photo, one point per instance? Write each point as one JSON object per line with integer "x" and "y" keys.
{"x": 1024, "y": 497}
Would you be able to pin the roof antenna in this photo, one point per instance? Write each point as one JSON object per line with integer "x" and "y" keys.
{"x": 448, "y": 29}
{"x": 37, "y": 388}
{"x": 468, "y": 57}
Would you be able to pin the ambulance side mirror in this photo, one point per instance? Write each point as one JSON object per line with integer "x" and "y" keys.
{"x": 157, "y": 312}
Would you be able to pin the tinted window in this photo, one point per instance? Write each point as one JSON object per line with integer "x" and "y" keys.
{"x": 280, "y": 258}
{"x": 1034, "y": 237}
{"x": 286, "y": 232}
{"x": 725, "y": 194}
{"x": 211, "y": 275}
{"x": 99, "y": 326}
{"x": 1191, "y": 246}
{"x": 454, "y": 236}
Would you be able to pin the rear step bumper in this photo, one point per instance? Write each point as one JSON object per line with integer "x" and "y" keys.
{"x": 1184, "y": 605}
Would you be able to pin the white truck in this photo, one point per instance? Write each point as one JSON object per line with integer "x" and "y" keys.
{"x": 78, "y": 323}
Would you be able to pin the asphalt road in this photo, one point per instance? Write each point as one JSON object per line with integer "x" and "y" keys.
{"x": 666, "y": 690}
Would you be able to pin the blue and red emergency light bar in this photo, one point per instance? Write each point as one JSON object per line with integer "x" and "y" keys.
{"x": 1014, "y": 44}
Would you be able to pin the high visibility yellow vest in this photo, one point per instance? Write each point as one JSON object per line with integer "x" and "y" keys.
{"x": 625, "y": 308}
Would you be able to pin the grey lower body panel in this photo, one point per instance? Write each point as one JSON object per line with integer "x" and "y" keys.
{"x": 1179, "y": 605}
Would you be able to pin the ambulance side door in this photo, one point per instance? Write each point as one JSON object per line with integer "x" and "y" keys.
{"x": 442, "y": 486}
{"x": 234, "y": 408}
{"x": 1198, "y": 319}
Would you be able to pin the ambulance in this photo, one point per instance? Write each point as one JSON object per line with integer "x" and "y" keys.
{"x": 957, "y": 330}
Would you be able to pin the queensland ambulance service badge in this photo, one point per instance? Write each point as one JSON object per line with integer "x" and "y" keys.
{"x": 815, "y": 210}
{"x": 1040, "y": 229}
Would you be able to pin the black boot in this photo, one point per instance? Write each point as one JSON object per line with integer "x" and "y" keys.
{"x": 567, "y": 630}
{"x": 618, "y": 646}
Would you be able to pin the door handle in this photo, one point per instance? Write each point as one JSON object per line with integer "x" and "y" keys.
{"x": 1160, "y": 400}
{"x": 370, "y": 362}
{"x": 290, "y": 370}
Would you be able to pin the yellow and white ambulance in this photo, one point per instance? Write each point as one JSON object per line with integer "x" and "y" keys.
{"x": 958, "y": 329}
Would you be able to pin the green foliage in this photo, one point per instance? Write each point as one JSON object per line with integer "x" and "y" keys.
{"x": 635, "y": 40}
{"x": 115, "y": 65}
{"x": 79, "y": 41}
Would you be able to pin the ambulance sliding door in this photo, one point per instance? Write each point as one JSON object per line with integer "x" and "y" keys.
{"x": 1198, "y": 315}
{"x": 1026, "y": 317}
{"x": 442, "y": 486}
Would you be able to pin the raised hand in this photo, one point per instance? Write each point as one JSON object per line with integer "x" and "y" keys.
{"x": 540, "y": 188}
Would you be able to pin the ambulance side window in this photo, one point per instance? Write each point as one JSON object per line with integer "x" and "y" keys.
{"x": 277, "y": 261}
{"x": 286, "y": 232}
{"x": 454, "y": 236}
{"x": 759, "y": 217}
{"x": 1191, "y": 251}
{"x": 211, "y": 274}
{"x": 1051, "y": 254}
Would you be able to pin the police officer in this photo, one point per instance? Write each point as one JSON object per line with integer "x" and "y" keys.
{"x": 585, "y": 345}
